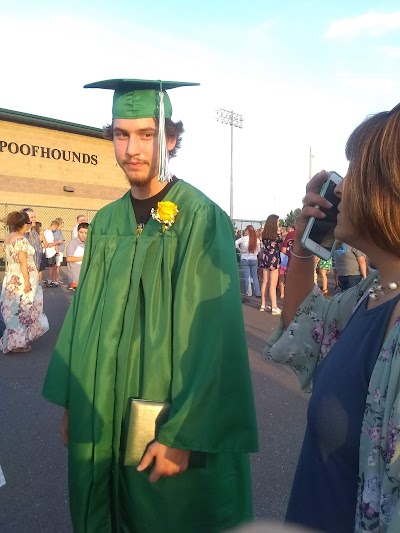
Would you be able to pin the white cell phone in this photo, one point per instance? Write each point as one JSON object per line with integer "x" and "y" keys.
{"x": 319, "y": 236}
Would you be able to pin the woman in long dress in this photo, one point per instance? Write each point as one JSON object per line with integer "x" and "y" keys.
{"x": 21, "y": 301}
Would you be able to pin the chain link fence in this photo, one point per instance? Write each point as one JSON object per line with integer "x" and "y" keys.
{"x": 45, "y": 215}
{"x": 240, "y": 224}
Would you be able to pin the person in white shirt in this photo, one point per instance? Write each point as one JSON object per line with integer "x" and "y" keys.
{"x": 75, "y": 251}
{"x": 249, "y": 247}
{"x": 51, "y": 253}
{"x": 79, "y": 220}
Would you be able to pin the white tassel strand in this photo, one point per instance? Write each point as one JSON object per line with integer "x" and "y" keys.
{"x": 164, "y": 175}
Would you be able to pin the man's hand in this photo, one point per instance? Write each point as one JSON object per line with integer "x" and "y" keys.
{"x": 64, "y": 428}
{"x": 168, "y": 461}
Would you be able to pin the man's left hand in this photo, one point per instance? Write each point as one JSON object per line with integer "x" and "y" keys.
{"x": 167, "y": 461}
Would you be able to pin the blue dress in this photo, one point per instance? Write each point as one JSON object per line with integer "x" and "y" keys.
{"x": 324, "y": 492}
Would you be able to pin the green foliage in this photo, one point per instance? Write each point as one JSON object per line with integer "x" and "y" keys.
{"x": 290, "y": 218}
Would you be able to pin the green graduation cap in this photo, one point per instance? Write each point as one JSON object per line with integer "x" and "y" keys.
{"x": 144, "y": 99}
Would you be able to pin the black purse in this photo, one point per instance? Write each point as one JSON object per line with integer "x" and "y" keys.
{"x": 51, "y": 261}
{"x": 43, "y": 262}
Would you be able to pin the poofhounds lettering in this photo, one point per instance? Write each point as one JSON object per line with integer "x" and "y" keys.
{"x": 33, "y": 150}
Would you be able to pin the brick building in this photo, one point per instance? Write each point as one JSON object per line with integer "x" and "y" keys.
{"x": 50, "y": 162}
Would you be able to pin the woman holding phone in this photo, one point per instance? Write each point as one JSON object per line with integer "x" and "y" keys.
{"x": 348, "y": 348}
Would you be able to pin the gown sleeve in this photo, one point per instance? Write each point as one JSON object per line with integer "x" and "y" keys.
{"x": 212, "y": 407}
{"x": 57, "y": 380}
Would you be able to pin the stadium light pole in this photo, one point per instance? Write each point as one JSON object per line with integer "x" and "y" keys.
{"x": 235, "y": 121}
{"x": 310, "y": 158}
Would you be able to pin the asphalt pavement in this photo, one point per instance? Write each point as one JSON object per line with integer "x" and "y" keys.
{"x": 34, "y": 462}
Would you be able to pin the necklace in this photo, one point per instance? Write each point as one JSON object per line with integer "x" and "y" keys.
{"x": 378, "y": 290}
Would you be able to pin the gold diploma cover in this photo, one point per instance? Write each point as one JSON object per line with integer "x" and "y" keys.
{"x": 144, "y": 420}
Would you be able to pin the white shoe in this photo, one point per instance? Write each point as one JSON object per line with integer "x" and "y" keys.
{"x": 276, "y": 311}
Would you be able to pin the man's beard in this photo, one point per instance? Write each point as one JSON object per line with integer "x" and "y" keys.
{"x": 142, "y": 180}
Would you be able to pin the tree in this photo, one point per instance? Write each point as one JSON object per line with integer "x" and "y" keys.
{"x": 290, "y": 218}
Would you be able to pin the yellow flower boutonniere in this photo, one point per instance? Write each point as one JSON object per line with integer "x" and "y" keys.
{"x": 165, "y": 214}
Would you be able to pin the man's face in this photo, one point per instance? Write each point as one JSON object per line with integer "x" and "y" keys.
{"x": 82, "y": 233}
{"x": 32, "y": 217}
{"x": 136, "y": 148}
{"x": 81, "y": 219}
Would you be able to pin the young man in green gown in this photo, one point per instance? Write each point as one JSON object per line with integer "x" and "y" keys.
{"x": 157, "y": 316}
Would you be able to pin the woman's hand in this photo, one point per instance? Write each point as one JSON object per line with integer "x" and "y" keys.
{"x": 310, "y": 200}
{"x": 27, "y": 287}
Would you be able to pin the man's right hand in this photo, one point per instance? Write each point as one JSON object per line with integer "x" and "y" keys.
{"x": 64, "y": 428}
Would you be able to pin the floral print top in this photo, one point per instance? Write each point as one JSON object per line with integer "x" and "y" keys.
{"x": 315, "y": 328}
{"x": 271, "y": 258}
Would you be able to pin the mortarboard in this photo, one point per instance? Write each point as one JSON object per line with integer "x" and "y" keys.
{"x": 143, "y": 99}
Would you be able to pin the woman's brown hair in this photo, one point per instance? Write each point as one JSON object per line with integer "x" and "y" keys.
{"x": 373, "y": 179}
{"x": 16, "y": 220}
{"x": 252, "y": 239}
{"x": 270, "y": 231}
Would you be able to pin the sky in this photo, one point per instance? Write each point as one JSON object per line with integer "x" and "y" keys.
{"x": 301, "y": 73}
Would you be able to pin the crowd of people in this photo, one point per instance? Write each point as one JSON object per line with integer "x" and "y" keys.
{"x": 264, "y": 256}
{"x": 156, "y": 328}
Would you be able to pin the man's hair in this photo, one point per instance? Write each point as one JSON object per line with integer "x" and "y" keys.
{"x": 80, "y": 216}
{"x": 173, "y": 130}
{"x": 373, "y": 179}
{"x": 27, "y": 210}
{"x": 59, "y": 220}
{"x": 83, "y": 225}
{"x": 54, "y": 223}
{"x": 270, "y": 231}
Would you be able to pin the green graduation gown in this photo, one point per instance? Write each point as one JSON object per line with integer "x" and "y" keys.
{"x": 157, "y": 317}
